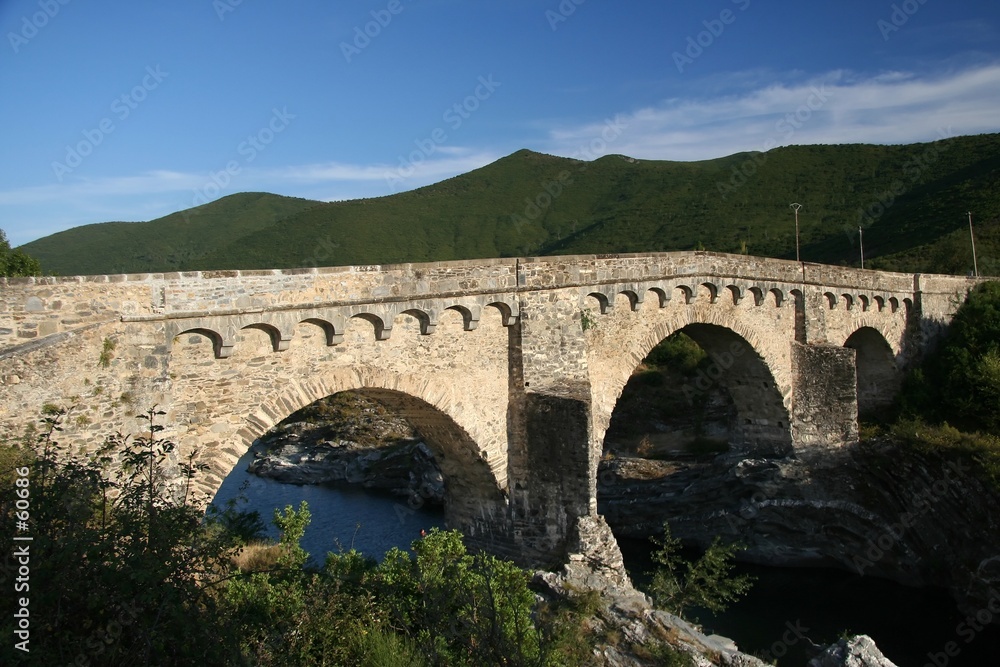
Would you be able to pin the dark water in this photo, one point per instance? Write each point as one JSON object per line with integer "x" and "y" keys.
{"x": 912, "y": 626}
{"x": 342, "y": 518}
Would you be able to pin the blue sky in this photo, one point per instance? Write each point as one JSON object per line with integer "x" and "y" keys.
{"x": 132, "y": 110}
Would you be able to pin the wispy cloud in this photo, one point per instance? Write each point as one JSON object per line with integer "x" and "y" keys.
{"x": 837, "y": 107}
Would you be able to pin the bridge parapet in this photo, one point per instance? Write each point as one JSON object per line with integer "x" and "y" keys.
{"x": 515, "y": 405}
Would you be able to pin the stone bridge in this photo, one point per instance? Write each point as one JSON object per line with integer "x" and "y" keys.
{"x": 509, "y": 368}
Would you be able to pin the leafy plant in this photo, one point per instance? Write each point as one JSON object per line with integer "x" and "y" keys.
{"x": 14, "y": 263}
{"x": 678, "y": 584}
{"x": 107, "y": 352}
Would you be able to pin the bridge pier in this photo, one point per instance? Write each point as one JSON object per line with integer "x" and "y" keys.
{"x": 824, "y": 398}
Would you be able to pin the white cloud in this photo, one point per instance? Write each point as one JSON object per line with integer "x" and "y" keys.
{"x": 836, "y": 108}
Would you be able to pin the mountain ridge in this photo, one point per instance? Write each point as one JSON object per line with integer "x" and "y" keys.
{"x": 909, "y": 199}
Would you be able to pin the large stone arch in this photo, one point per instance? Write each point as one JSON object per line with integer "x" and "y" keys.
{"x": 743, "y": 362}
{"x": 475, "y": 494}
{"x": 878, "y": 375}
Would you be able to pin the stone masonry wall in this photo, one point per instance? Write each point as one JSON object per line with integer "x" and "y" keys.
{"x": 511, "y": 367}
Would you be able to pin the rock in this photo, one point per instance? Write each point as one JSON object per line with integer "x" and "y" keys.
{"x": 351, "y": 440}
{"x": 859, "y": 651}
{"x": 876, "y": 509}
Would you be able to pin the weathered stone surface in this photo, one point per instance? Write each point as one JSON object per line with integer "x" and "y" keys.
{"x": 859, "y": 651}
{"x": 631, "y": 616}
{"x": 386, "y": 457}
{"x": 508, "y": 368}
{"x": 918, "y": 519}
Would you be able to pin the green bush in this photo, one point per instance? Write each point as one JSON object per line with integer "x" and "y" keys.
{"x": 960, "y": 381}
{"x": 126, "y": 571}
{"x": 677, "y": 352}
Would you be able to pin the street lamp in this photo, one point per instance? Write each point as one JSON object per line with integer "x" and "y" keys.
{"x": 975, "y": 267}
{"x": 861, "y": 242}
{"x": 796, "y": 207}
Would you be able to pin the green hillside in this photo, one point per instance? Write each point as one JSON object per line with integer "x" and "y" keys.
{"x": 173, "y": 242}
{"x": 912, "y": 201}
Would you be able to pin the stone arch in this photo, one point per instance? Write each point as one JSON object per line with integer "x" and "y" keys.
{"x": 893, "y": 304}
{"x": 779, "y": 296}
{"x": 686, "y": 293}
{"x": 758, "y": 295}
{"x": 848, "y": 301}
{"x": 831, "y": 299}
{"x": 662, "y": 296}
{"x": 634, "y": 298}
{"x": 426, "y": 318}
{"x": 333, "y": 336}
{"x": 279, "y": 342}
{"x": 738, "y": 364}
{"x": 878, "y": 376}
{"x": 736, "y": 293}
{"x": 710, "y": 290}
{"x": 470, "y": 315}
{"x": 220, "y": 347}
{"x": 604, "y": 303}
{"x": 509, "y": 312}
{"x": 382, "y": 332}
{"x": 863, "y": 298}
{"x": 879, "y": 303}
{"x": 475, "y": 482}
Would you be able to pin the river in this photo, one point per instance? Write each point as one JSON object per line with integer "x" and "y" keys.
{"x": 910, "y": 625}
{"x": 342, "y": 517}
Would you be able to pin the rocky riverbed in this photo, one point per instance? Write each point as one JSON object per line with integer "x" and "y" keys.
{"x": 875, "y": 509}
{"x": 350, "y": 439}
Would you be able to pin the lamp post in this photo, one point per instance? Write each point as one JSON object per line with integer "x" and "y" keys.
{"x": 975, "y": 267}
{"x": 796, "y": 207}
{"x": 861, "y": 242}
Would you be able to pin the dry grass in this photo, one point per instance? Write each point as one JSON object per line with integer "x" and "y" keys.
{"x": 258, "y": 556}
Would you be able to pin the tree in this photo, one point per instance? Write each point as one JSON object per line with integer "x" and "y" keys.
{"x": 707, "y": 583}
{"x": 960, "y": 381}
{"x": 16, "y": 262}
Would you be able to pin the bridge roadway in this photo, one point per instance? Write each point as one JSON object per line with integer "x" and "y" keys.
{"x": 510, "y": 368}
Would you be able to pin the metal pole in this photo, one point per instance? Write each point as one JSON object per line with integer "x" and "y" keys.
{"x": 796, "y": 207}
{"x": 861, "y": 242}
{"x": 975, "y": 266}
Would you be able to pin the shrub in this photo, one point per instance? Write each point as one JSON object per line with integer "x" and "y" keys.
{"x": 960, "y": 381}
{"x": 708, "y": 582}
